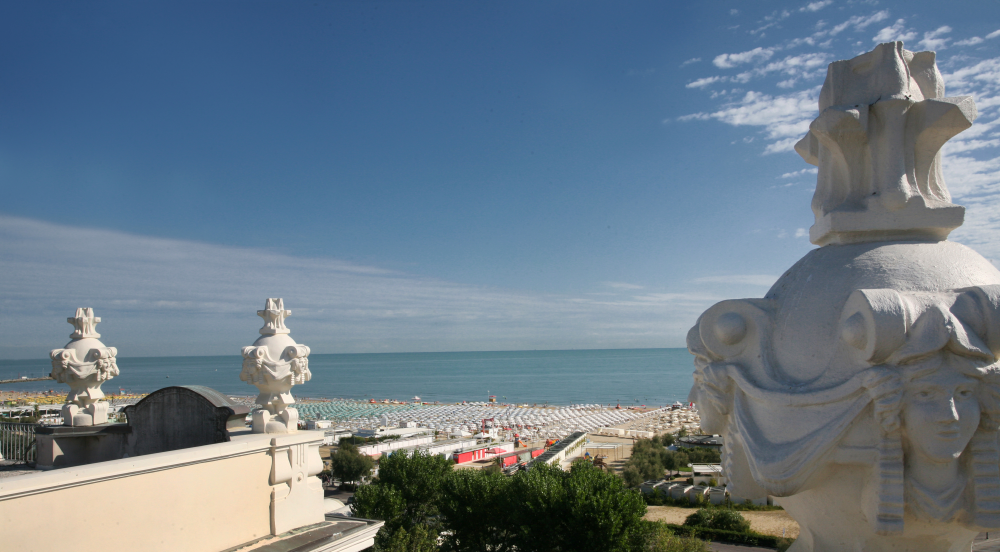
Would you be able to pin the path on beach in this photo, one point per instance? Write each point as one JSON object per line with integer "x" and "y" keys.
{"x": 770, "y": 522}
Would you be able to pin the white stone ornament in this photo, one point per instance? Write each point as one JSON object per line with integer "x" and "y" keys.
{"x": 84, "y": 364}
{"x": 877, "y": 143}
{"x": 863, "y": 391}
{"x": 274, "y": 363}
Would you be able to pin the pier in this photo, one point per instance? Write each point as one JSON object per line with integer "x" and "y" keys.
{"x": 22, "y": 380}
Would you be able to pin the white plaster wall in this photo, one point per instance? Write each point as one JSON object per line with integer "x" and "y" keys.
{"x": 200, "y": 499}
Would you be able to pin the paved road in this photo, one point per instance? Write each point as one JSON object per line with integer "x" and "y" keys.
{"x": 719, "y": 547}
{"x": 985, "y": 542}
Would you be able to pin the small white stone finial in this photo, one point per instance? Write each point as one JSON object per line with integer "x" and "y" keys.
{"x": 84, "y": 364}
{"x": 274, "y": 315}
{"x": 274, "y": 363}
{"x": 877, "y": 142}
{"x": 84, "y": 323}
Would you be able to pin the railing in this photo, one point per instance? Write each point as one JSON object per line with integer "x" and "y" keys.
{"x": 17, "y": 442}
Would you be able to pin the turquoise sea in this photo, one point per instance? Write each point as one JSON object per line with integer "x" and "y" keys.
{"x": 626, "y": 376}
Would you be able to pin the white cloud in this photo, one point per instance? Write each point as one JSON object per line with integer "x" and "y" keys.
{"x": 785, "y": 118}
{"x": 933, "y": 40}
{"x": 690, "y": 61}
{"x": 701, "y": 83}
{"x": 815, "y": 6}
{"x": 765, "y": 280}
{"x": 173, "y": 297}
{"x": 969, "y": 79}
{"x": 796, "y": 174}
{"x": 728, "y": 61}
{"x": 958, "y": 146}
{"x": 734, "y": 11}
{"x": 895, "y": 32}
{"x": 801, "y": 233}
{"x": 622, "y": 285}
{"x": 994, "y": 34}
{"x": 858, "y": 22}
{"x": 781, "y": 146}
{"x": 800, "y": 65}
{"x": 969, "y": 41}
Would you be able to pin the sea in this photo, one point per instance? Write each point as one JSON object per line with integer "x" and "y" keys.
{"x": 627, "y": 377}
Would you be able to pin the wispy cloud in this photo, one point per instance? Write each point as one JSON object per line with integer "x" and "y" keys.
{"x": 784, "y": 118}
{"x": 703, "y": 82}
{"x": 728, "y": 61}
{"x": 690, "y": 61}
{"x": 796, "y": 174}
{"x": 173, "y": 297}
{"x": 622, "y": 285}
{"x": 896, "y": 31}
{"x": 933, "y": 40}
{"x": 765, "y": 280}
{"x": 971, "y": 41}
{"x": 815, "y": 6}
{"x": 858, "y": 22}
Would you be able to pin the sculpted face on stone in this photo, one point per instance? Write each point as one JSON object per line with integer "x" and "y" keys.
{"x": 940, "y": 412}
{"x": 863, "y": 390}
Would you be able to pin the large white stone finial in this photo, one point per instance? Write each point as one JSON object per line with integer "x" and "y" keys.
{"x": 84, "y": 323}
{"x": 274, "y": 315}
{"x": 863, "y": 391}
{"x": 274, "y": 363}
{"x": 883, "y": 120}
{"x": 84, "y": 364}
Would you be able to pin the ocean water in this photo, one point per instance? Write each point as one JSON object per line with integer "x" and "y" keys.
{"x": 625, "y": 376}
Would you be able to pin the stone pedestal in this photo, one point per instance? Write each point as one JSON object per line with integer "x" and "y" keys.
{"x": 296, "y": 492}
{"x": 63, "y": 446}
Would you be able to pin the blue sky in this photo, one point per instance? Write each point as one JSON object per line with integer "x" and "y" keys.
{"x": 431, "y": 176}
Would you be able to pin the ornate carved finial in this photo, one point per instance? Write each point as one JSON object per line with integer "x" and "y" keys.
{"x": 84, "y": 364}
{"x": 274, "y": 315}
{"x": 883, "y": 120}
{"x": 274, "y": 363}
{"x": 84, "y": 324}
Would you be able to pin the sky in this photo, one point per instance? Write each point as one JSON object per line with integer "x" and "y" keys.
{"x": 427, "y": 175}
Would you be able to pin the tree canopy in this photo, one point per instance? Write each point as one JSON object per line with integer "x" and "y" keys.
{"x": 348, "y": 464}
{"x": 544, "y": 509}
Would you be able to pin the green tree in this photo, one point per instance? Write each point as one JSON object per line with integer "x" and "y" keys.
{"x": 667, "y": 439}
{"x": 583, "y": 509}
{"x": 475, "y": 505}
{"x": 719, "y": 518}
{"x": 348, "y": 464}
{"x": 405, "y": 495}
{"x": 418, "y": 477}
{"x": 420, "y": 538}
{"x": 601, "y": 513}
{"x": 655, "y": 536}
{"x": 632, "y": 477}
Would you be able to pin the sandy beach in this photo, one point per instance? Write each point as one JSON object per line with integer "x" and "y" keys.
{"x": 770, "y": 522}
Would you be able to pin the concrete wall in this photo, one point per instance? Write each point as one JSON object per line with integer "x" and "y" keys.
{"x": 201, "y": 499}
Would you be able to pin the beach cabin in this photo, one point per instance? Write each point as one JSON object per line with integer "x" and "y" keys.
{"x": 705, "y": 473}
{"x": 679, "y": 492}
{"x": 647, "y": 486}
{"x": 697, "y": 493}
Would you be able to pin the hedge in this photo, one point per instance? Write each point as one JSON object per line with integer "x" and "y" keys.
{"x": 749, "y": 539}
